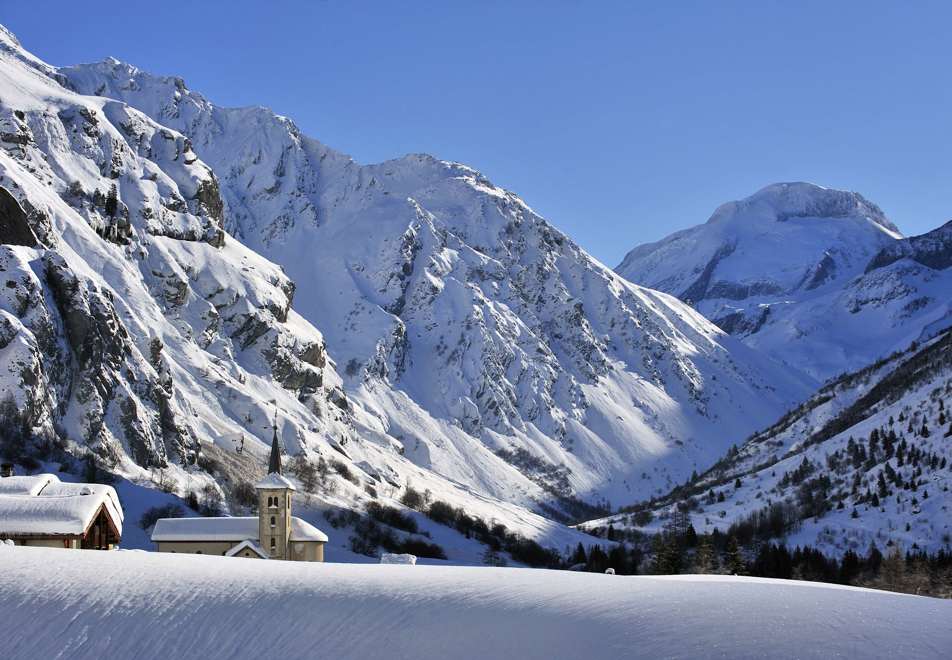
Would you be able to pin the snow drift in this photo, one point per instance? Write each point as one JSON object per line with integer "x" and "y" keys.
{"x": 67, "y": 604}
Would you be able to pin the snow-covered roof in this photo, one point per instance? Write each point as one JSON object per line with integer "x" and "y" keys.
{"x": 42, "y": 504}
{"x": 305, "y": 531}
{"x": 205, "y": 529}
{"x": 275, "y": 480}
{"x": 30, "y": 484}
{"x": 226, "y": 529}
{"x": 249, "y": 544}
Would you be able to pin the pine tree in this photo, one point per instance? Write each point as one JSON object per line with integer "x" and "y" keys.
{"x": 874, "y": 558}
{"x": 668, "y": 556}
{"x": 849, "y": 567}
{"x": 597, "y": 560}
{"x": 735, "y": 563}
{"x": 690, "y": 537}
{"x": 618, "y": 560}
{"x": 705, "y": 559}
{"x": 112, "y": 201}
{"x": 579, "y": 556}
{"x": 881, "y": 484}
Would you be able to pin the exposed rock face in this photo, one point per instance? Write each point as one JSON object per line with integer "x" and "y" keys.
{"x": 932, "y": 250}
{"x": 14, "y": 226}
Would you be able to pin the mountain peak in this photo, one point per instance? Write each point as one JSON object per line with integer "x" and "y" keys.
{"x": 799, "y": 199}
{"x": 798, "y": 270}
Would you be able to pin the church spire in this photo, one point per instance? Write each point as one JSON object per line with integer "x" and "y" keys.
{"x": 274, "y": 463}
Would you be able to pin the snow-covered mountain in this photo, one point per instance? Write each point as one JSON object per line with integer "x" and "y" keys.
{"x": 867, "y": 459}
{"x": 483, "y": 343}
{"x": 136, "y": 330}
{"x": 816, "y": 277}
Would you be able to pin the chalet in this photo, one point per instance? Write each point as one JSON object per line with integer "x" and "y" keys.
{"x": 273, "y": 534}
{"x": 41, "y": 510}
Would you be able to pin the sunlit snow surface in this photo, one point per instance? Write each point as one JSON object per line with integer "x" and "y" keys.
{"x": 59, "y": 603}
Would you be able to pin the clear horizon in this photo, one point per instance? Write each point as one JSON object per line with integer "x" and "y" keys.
{"x": 620, "y": 124}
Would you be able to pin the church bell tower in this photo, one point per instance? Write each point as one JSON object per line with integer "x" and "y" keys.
{"x": 274, "y": 506}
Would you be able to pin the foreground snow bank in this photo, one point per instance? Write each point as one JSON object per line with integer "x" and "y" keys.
{"x": 124, "y": 604}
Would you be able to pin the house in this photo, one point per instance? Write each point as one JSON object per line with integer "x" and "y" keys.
{"x": 273, "y": 534}
{"x": 41, "y": 510}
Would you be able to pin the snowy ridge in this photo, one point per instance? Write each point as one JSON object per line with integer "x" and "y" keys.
{"x": 493, "y": 349}
{"x": 815, "y": 277}
{"x": 53, "y": 599}
{"x": 868, "y": 459}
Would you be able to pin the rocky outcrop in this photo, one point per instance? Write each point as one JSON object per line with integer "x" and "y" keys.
{"x": 14, "y": 225}
{"x": 932, "y": 250}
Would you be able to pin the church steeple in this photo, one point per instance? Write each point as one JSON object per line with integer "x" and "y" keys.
{"x": 274, "y": 463}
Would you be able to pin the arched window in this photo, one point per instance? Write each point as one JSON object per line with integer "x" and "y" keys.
{"x": 273, "y": 543}
{"x": 272, "y": 521}
{"x": 270, "y": 501}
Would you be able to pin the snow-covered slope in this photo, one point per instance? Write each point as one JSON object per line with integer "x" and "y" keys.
{"x": 60, "y": 604}
{"x": 130, "y": 324}
{"x": 868, "y": 459}
{"x": 134, "y": 329}
{"x": 496, "y": 351}
{"x": 794, "y": 270}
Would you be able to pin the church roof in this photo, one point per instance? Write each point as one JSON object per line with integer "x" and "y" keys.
{"x": 251, "y": 545}
{"x": 274, "y": 462}
{"x": 235, "y": 529}
{"x": 275, "y": 480}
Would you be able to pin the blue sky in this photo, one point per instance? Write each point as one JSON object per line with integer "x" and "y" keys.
{"x": 620, "y": 122}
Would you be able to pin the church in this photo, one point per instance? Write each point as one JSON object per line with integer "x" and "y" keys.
{"x": 273, "y": 534}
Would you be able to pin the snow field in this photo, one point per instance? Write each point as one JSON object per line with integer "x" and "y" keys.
{"x": 123, "y": 604}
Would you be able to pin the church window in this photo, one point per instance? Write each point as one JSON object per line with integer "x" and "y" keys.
{"x": 273, "y": 543}
{"x": 272, "y": 521}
